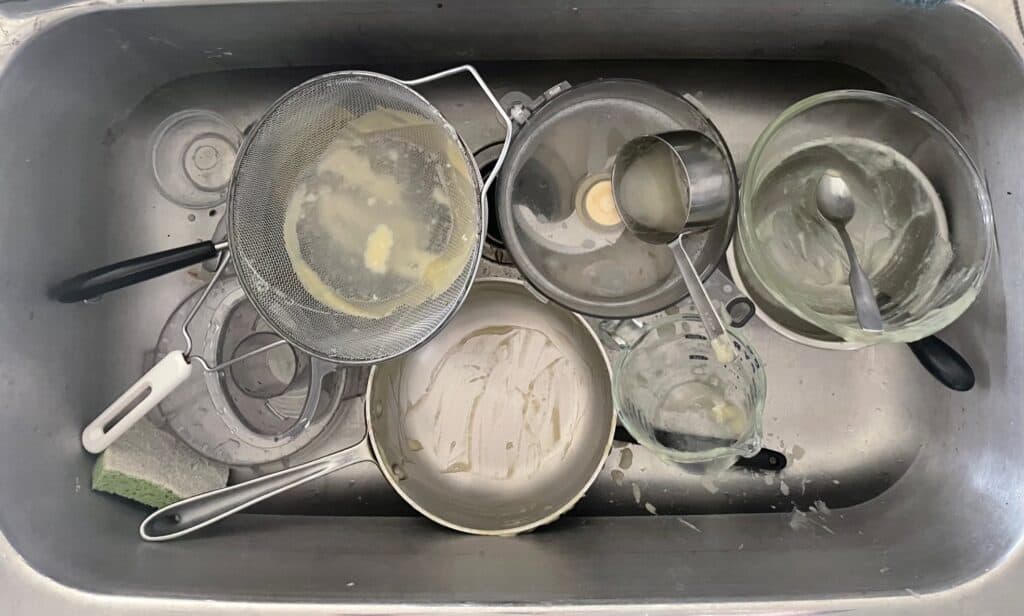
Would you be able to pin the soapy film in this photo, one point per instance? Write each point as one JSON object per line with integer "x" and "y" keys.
{"x": 500, "y": 404}
{"x": 386, "y": 218}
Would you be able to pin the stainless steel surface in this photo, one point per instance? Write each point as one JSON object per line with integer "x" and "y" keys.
{"x": 558, "y": 177}
{"x": 836, "y": 204}
{"x": 929, "y": 499}
{"x": 543, "y": 482}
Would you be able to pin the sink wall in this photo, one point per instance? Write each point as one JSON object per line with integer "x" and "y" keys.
{"x": 68, "y": 89}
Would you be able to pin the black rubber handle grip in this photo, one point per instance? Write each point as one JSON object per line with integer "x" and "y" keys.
{"x": 126, "y": 273}
{"x": 764, "y": 460}
{"x": 944, "y": 363}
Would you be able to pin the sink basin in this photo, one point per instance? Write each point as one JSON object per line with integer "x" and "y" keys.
{"x": 899, "y": 494}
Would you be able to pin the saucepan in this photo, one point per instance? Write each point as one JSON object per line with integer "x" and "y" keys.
{"x": 496, "y": 426}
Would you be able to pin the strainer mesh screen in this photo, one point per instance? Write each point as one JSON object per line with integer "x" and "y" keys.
{"x": 355, "y": 218}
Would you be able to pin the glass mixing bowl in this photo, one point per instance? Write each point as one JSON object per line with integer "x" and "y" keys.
{"x": 923, "y": 227}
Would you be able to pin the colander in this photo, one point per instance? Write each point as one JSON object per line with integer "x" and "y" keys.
{"x": 384, "y": 154}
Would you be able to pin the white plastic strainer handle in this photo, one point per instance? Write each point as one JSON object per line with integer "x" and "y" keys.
{"x": 132, "y": 405}
{"x": 466, "y": 68}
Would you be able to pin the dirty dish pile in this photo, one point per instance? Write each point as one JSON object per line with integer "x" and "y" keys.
{"x": 355, "y": 227}
{"x": 496, "y": 426}
{"x": 356, "y": 218}
{"x": 923, "y": 228}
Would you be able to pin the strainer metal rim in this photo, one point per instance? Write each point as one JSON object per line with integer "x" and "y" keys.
{"x": 474, "y": 258}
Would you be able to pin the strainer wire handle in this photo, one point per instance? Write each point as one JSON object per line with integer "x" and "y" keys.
{"x": 466, "y": 68}
{"x": 207, "y": 365}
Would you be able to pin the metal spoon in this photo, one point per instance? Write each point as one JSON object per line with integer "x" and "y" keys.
{"x": 837, "y": 206}
{"x": 653, "y": 193}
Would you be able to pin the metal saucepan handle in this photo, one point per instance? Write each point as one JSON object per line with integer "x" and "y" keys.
{"x": 191, "y": 514}
{"x": 466, "y": 68}
{"x": 126, "y": 273}
{"x": 944, "y": 363}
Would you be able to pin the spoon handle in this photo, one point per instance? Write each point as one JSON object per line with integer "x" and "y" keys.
{"x": 868, "y": 314}
{"x": 708, "y": 315}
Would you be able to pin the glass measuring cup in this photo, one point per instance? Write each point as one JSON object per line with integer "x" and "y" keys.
{"x": 676, "y": 399}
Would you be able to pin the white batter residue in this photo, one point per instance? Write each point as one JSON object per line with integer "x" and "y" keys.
{"x": 500, "y": 404}
{"x": 378, "y": 249}
{"x": 722, "y": 346}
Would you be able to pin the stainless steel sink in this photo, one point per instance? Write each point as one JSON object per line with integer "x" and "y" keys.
{"x": 899, "y": 495}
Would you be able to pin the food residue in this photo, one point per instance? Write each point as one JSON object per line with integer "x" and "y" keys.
{"x": 387, "y": 217}
{"x": 378, "y": 249}
{"x": 500, "y": 403}
{"x": 722, "y": 346}
{"x": 625, "y": 458}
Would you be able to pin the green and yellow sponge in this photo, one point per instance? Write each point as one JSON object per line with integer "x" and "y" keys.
{"x": 155, "y": 468}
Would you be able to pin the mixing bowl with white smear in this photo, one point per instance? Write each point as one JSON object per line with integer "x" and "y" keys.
{"x": 922, "y": 227}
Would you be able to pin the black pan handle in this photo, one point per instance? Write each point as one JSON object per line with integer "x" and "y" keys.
{"x": 944, "y": 363}
{"x": 108, "y": 278}
{"x": 764, "y": 460}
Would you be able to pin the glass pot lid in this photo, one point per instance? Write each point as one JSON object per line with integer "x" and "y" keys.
{"x": 556, "y": 209}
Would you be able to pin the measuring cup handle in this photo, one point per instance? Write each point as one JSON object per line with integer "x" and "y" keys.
{"x": 200, "y": 511}
{"x": 134, "y": 404}
{"x": 126, "y": 273}
{"x": 698, "y": 294}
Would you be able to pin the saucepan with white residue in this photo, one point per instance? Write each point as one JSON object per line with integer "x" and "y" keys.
{"x": 496, "y": 426}
{"x": 356, "y": 217}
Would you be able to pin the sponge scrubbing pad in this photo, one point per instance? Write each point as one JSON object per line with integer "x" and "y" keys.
{"x": 154, "y": 468}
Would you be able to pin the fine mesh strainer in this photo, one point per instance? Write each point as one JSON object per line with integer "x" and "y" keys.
{"x": 345, "y": 139}
{"x": 355, "y": 223}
